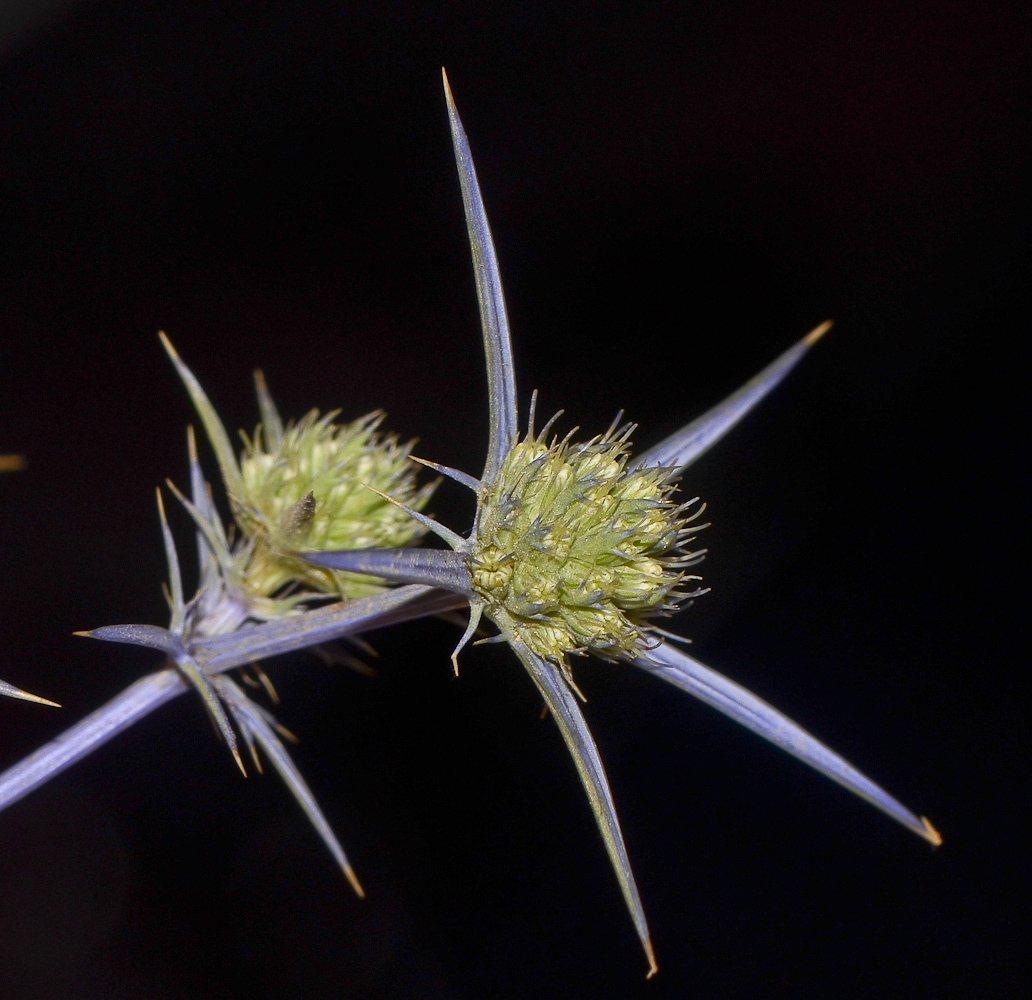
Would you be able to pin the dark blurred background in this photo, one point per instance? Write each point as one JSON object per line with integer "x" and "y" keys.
{"x": 678, "y": 192}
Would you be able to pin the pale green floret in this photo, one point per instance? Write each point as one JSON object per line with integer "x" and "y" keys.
{"x": 576, "y": 551}
{"x": 301, "y": 487}
{"x": 306, "y": 491}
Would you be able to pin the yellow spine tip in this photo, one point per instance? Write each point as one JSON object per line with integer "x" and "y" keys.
{"x": 651, "y": 956}
{"x": 167, "y": 344}
{"x": 814, "y": 335}
{"x": 25, "y": 696}
{"x": 449, "y": 99}
{"x": 349, "y": 872}
{"x": 12, "y": 463}
{"x": 931, "y": 834}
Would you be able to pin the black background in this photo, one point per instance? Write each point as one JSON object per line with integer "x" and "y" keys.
{"x": 678, "y": 192}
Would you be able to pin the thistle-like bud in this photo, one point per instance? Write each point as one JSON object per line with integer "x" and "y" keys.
{"x": 577, "y": 550}
{"x": 304, "y": 487}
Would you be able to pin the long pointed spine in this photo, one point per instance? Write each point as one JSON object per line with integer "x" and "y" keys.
{"x": 457, "y": 474}
{"x": 175, "y": 578}
{"x": 501, "y": 373}
{"x": 210, "y": 541}
{"x": 272, "y": 422}
{"x": 151, "y": 692}
{"x": 212, "y": 423}
{"x": 79, "y": 741}
{"x": 199, "y": 680}
{"x": 686, "y": 445}
{"x": 574, "y": 729}
{"x": 737, "y": 703}
{"x": 455, "y": 540}
{"x": 219, "y": 653}
{"x": 254, "y": 723}
{"x": 202, "y": 503}
{"x": 184, "y": 661}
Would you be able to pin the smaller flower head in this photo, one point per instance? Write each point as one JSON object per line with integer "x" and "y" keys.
{"x": 303, "y": 488}
{"x": 578, "y": 550}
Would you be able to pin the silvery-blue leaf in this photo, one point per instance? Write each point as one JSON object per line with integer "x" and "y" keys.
{"x": 272, "y": 422}
{"x": 684, "y": 446}
{"x": 501, "y": 373}
{"x": 457, "y": 474}
{"x": 579, "y": 742}
{"x": 151, "y": 636}
{"x": 741, "y": 705}
{"x": 223, "y": 653}
{"x": 431, "y": 567}
{"x": 158, "y": 638}
{"x": 284, "y": 635}
{"x": 251, "y": 720}
{"x": 123, "y": 711}
{"x": 213, "y": 425}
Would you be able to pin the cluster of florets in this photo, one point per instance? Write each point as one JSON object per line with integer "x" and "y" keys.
{"x": 305, "y": 488}
{"x": 577, "y": 550}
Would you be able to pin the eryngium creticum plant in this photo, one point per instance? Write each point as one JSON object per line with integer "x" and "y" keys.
{"x": 657, "y": 533}
{"x": 575, "y": 548}
{"x": 253, "y": 599}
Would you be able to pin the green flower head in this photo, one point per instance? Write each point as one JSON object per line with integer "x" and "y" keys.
{"x": 302, "y": 487}
{"x": 577, "y": 549}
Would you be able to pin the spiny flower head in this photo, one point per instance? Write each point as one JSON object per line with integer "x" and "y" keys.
{"x": 303, "y": 485}
{"x": 577, "y": 548}
{"x": 302, "y": 488}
